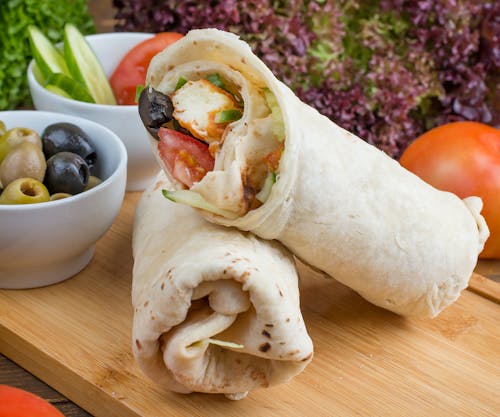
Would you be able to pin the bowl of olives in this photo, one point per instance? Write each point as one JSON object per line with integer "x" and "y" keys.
{"x": 62, "y": 183}
{"x": 124, "y": 120}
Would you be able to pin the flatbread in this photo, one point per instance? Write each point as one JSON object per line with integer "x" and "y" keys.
{"x": 339, "y": 204}
{"x": 196, "y": 284}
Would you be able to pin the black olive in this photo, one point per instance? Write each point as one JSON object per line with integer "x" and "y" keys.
{"x": 66, "y": 172}
{"x": 155, "y": 109}
{"x": 67, "y": 137}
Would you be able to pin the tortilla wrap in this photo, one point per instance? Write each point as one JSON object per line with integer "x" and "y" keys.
{"x": 196, "y": 284}
{"x": 339, "y": 204}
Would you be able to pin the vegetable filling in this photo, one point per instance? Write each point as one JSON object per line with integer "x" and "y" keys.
{"x": 191, "y": 132}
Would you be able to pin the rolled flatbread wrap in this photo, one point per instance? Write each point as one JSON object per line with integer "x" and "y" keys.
{"x": 216, "y": 310}
{"x": 283, "y": 171}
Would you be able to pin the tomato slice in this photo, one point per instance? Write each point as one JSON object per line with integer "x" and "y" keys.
{"x": 131, "y": 71}
{"x": 186, "y": 158}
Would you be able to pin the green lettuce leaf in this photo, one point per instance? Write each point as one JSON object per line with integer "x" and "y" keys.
{"x": 15, "y": 53}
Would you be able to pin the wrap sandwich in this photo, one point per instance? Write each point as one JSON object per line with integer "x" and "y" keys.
{"x": 216, "y": 310}
{"x": 248, "y": 153}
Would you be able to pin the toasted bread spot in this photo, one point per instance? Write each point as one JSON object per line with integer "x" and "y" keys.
{"x": 264, "y": 347}
{"x": 266, "y": 333}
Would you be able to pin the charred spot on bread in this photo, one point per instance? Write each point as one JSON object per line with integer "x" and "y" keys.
{"x": 264, "y": 347}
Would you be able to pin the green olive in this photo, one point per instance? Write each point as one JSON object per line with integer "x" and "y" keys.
{"x": 24, "y": 161}
{"x": 24, "y": 191}
{"x": 3, "y": 129}
{"x": 93, "y": 181}
{"x": 14, "y": 137}
{"x": 59, "y": 196}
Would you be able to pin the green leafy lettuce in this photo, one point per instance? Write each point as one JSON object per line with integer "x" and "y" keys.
{"x": 15, "y": 54}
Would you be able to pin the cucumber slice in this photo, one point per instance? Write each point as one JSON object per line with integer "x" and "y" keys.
{"x": 277, "y": 116}
{"x": 190, "y": 198}
{"x": 224, "y": 343}
{"x": 180, "y": 82}
{"x": 217, "y": 342}
{"x": 264, "y": 193}
{"x": 48, "y": 59}
{"x": 67, "y": 87}
{"x": 85, "y": 67}
{"x": 216, "y": 80}
{"x": 226, "y": 116}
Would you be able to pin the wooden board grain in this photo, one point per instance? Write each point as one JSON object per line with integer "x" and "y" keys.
{"x": 76, "y": 336}
{"x": 486, "y": 287}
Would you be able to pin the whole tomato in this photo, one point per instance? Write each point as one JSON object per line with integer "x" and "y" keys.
{"x": 464, "y": 158}
{"x": 131, "y": 71}
{"x": 15, "y": 402}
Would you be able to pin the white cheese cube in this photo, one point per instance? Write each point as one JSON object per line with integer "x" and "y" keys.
{"x": 195, "y": 105}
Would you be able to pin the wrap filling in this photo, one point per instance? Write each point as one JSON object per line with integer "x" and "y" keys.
{"x": 198, "y": 125}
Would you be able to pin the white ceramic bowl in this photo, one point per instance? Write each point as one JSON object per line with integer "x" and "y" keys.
{"x": 123, "y": 120}
{"x": 45, "y": 243}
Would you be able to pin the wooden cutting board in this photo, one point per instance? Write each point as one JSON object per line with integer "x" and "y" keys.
{"x": 76, "y": 336}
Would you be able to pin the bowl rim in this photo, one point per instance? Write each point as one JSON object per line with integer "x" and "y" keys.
{"x": 33, "y": 82}
{"x": 121, "y": 167}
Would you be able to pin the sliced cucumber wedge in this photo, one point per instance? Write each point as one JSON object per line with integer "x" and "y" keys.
{"x": 67, "y": 87}
{"x": 48, "y": 59}
{"x": 58, "y": 91}
{"x": 193, "y": 199}
{"x": 38, "y": 74}
{"x": 85, "y": 67}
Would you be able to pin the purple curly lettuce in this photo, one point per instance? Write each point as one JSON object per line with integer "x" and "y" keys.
{"x": 386, "y": 70}
{"x": 464, "y": 43}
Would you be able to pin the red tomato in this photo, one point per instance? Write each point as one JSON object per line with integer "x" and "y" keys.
{"x": 131, "y": 71}
{"x": 15, "y": 402}
{"x": 464, "y": 158}
{"x": 187, "y": 159}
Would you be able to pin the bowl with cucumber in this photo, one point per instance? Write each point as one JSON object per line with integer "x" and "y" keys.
{"x": 62, "y": 183}
{"x": 73, "y": 78}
